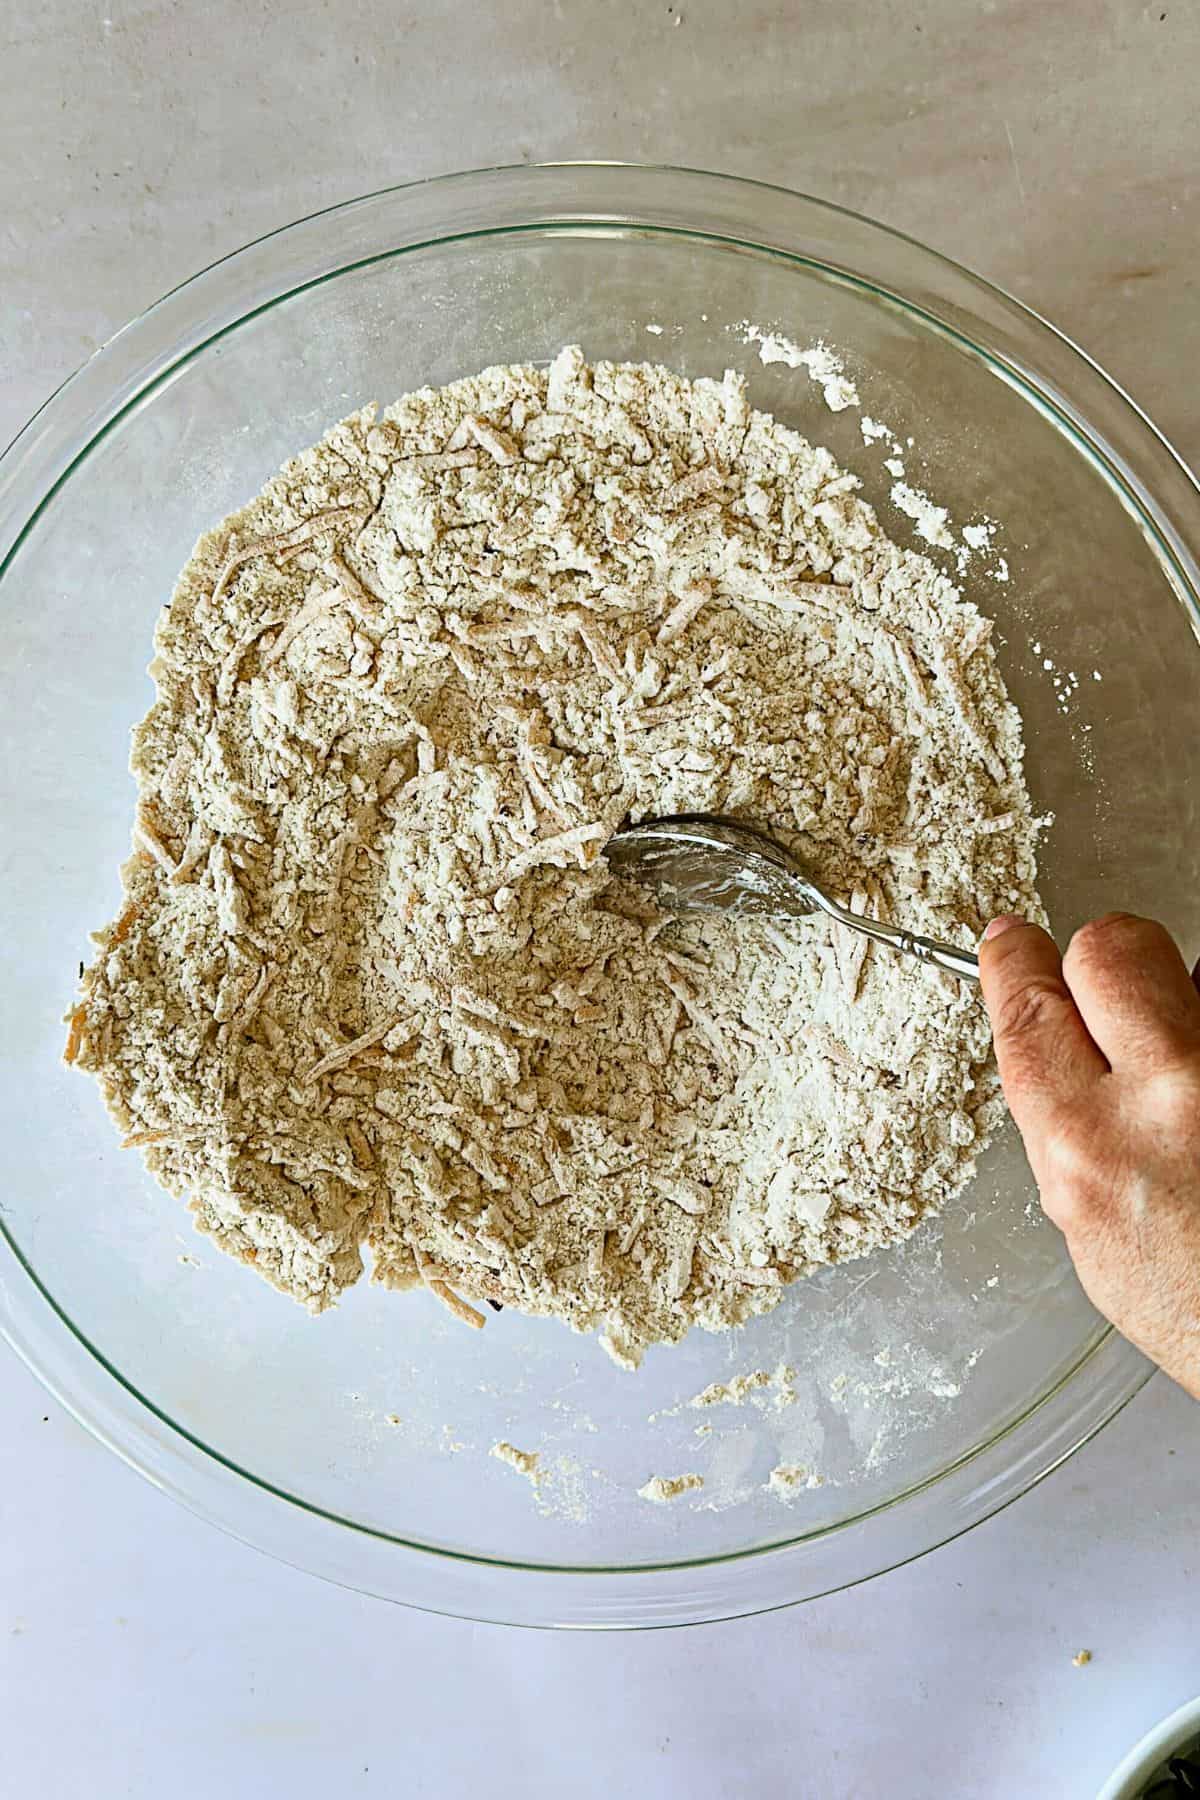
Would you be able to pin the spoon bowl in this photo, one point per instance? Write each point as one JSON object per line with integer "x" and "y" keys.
{"x": 704, "y": 862}
{"x": 699, "y": 862}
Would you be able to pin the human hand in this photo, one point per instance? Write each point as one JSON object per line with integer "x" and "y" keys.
{"x": 1099, "y": 1054}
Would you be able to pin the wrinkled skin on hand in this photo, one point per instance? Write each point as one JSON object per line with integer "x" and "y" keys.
{"x": 1099, "y": 1053}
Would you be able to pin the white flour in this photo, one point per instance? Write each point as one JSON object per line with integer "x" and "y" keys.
{"x": 373, "y": 992}
{"x": 525, "y": 1462}
{"x": 762, "y": 1387}
{"x": 662, "y": 1488}
{"x": 930, "y": 520}
{"x": 787, "y": 1480}
{"x": 822, "y": 364}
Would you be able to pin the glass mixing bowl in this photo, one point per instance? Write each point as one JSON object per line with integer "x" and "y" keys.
{"x": 932, "y": 1384}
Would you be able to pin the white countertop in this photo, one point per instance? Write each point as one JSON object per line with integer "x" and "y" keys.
{"x": 1054, "y": 148}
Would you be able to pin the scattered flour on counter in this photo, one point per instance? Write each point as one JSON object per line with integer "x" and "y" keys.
{"x": 661, "y": 1488}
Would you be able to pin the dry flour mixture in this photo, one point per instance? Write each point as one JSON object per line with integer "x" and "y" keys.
{"x": 373, "y": 993}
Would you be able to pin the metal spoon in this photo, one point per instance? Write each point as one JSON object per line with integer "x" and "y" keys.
{"x": 699, "y": 862}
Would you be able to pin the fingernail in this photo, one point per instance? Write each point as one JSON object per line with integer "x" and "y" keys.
{"x": 1004, "y": 923}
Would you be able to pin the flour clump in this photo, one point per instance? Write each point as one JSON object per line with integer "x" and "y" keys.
{"x": 373, "y": 993}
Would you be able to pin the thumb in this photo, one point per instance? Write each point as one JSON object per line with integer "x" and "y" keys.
{"x": 1047, "y": 1059}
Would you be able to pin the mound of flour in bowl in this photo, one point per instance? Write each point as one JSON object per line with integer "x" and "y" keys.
{"x": 373, "y": 989}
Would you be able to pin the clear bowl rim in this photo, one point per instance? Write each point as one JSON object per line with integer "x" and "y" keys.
{"x": 44, "y": 454}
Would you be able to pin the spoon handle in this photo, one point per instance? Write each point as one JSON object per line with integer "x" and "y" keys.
{"x": 963, "y": 963}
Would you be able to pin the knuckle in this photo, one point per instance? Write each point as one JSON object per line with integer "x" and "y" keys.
{"x": 1067, "y": 1179}
{"x": 1068, "y": 1158}
{"x": 1171, "y": 1100}
{"x": 1102, "y": 939}
{"x": 1024, "y": 1012}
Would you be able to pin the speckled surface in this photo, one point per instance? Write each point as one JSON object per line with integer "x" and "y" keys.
{"x": 1055, "y": 149}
